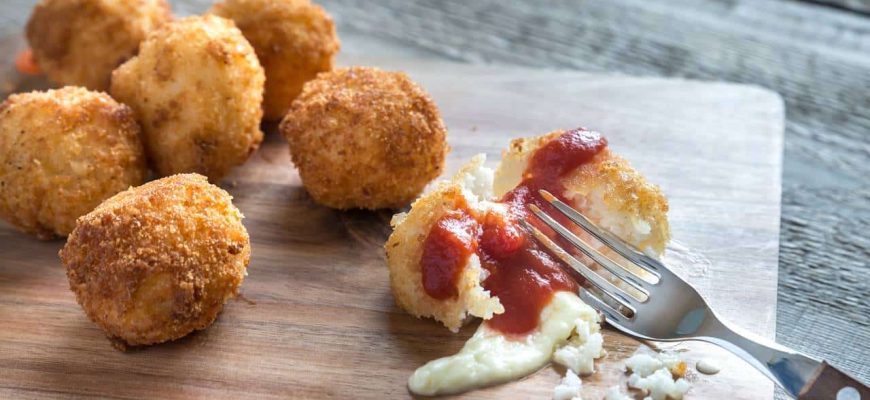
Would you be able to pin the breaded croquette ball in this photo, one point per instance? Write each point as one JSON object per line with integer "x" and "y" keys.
{"x": 62, "y": 152}
{"x": 605, "y": 188}
{"x": 80, "y": 42}
{"x": 294, "y": 41}
{"x": 365, "y": 138}
{"x": 470, "y": 187}
{"x": 196, "y": 88}
{"x": 158, "y": 261}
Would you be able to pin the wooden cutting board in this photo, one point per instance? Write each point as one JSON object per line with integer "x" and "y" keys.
{"x": 317, "y": 319}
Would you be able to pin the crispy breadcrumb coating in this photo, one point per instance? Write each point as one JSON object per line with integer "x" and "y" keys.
{"x": 294, "y": 40}
{"x": 158, "y": 261}
{"x": 80, "y": 42}
{"x": 62, "y": 152}
{"x": 404, "y": 250}
{"x": 365, "y": 138}
{"x": 196, "y": 88}
{"x": 606, "y": 189}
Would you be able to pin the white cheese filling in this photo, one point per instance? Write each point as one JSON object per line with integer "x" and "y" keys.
{"x": 569, "y": 388}
{"x": 581, "y": 350}
{"x": 490, "y": 358}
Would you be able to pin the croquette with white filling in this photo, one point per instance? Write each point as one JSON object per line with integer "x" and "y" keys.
{"x": 471, "y": 186}
{"x": 606, "y": 189}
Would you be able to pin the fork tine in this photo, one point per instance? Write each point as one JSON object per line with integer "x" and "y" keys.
{"x": 627, "y": 251}
{"x": 608, "y": 264}
{"x": 616, "y": 293}
{"x": 610, "y": 315}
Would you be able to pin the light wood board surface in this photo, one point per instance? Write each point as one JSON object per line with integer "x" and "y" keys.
{"x": 319, "y": 320}
{"x": 815, "y": 55}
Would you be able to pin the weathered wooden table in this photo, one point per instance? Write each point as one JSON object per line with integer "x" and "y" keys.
{"x": 817, "y": 56}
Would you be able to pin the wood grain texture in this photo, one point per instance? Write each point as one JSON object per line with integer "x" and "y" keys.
{"x": 796, "y": 48}
{"x": 318, "y": 319}
{"x": 740, "y": 41}
{"x": 816, "y": 57}
{"x": 861, "y": 6}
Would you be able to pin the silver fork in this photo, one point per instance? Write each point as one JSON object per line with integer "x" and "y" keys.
{"x": 663, "y": 307}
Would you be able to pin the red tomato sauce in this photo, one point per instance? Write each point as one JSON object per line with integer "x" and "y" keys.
{"x": 445, "y": 251}
{"x": 522, "y": 274}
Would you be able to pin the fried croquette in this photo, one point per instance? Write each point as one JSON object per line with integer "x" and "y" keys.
{"x": 365, "y": 138}
{"x": 471, "y": 186}
{"x": 80, "y": 42}
{"x": 196, "y": 88}
{"x": 156, "y": 262}
{"x": 294, "y": 40}
{"x": 62, "y": 152}
{"x": 605, "y": 188}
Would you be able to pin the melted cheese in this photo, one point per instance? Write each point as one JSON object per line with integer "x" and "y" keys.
{"x": 490, "y": 358}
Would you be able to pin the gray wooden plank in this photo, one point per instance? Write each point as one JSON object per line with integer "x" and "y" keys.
{"x": 862, "y": 6}
{"x": 817, "y": 58}
{"x": 774, "y": 44}
{"x": 823, "y": 296}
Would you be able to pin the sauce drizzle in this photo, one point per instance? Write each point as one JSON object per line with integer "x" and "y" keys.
{"x": 445, "y": 251}
{"x": 522, "y": 274}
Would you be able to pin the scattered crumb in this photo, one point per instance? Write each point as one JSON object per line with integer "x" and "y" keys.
{"x": 117, "y": 343}
{"x": 655, "y": 374}
{"x": 579, "y": 354}
{"x": 569, "y": 388}
{"x": 646, "y": 364}
{"x": 660, "y": 385}
{"x": 643, "y": 364}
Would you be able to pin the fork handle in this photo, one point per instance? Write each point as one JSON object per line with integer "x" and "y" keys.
{"x": 829, "y": 382}
{"x": 801, "y": 376}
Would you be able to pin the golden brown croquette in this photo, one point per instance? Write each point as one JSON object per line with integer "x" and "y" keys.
{"x": 470, "y": 187}
{"x": 294, "y": 41}
{"x": 196, "y": 88}
{"x": 606, "y": 189}
{"x": 62, "y": 152}
{"x": 80, "y": 42}
{"x": 365, "y": 138}
{"x": 156, "y": 262}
